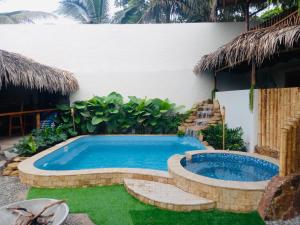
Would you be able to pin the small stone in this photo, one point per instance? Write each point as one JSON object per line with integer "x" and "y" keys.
{"x": 19, "y": 159}
{"x": 205, "y": 143}
{"x": 6, "y": 172}
{"x": 10, "y": 155}
{"x": 13, "y": 166}
{"x": 14, "y": 173}
{"x": 2, "y": 164}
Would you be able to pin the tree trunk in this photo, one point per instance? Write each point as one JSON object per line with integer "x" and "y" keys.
{"x": 168, "y": 14}
{"x": 213, "y": 12}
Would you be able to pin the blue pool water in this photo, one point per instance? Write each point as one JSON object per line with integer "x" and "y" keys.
{"x": 231, "y": 167}
{"x": 148, "y": 152}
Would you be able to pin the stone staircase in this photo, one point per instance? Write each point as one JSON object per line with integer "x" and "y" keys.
{"x": 166, "y": 196}
{"x": 203, "y": 114}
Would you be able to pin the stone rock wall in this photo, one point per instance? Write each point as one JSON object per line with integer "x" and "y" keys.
{"x": 203, "y": 114}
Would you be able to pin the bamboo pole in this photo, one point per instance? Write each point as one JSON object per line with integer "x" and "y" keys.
{"x": 271, "y": 121}
{"x": 283, "y": 153}
{"x": 268, "y": 118}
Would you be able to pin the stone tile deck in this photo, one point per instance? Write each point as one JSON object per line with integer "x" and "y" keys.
{"x": 166, "y": 196}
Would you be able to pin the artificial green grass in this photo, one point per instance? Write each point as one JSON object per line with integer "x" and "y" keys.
{"x": 112, "y": 205}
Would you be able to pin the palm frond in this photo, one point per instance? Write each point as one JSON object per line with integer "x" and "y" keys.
{"x": 17, "y": 17}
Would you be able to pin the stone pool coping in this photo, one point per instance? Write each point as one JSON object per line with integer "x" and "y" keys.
{"x": 29, "y": 174}
{"x": 175, "y": 167}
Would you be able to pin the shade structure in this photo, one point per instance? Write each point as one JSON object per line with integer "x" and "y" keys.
{"x": 18, "y": 70}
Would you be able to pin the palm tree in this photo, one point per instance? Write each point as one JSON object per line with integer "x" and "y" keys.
{"x": 24, "y": 17}
{"x": 163, "y": 10}
{"x": 132, "y": 11}
{"x": 85, "y": 11}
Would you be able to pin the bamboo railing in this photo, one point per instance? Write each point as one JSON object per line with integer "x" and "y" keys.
{"x": 279, "y": 125}
{"x": 288, "y": 18}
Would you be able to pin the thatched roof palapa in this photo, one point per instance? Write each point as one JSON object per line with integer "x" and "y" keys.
{"x": 18, "y": 70}
{"x": 257, "y": 45}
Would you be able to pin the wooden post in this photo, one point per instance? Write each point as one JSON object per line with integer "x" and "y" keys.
{"x": 283, "y": 153}
{"x": 38, "y": 120}
{"x": 247, "y": 15}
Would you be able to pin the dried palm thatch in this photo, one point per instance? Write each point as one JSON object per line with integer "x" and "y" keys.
{"x": 18, "y": 70}
{"x": 256, "y": 45}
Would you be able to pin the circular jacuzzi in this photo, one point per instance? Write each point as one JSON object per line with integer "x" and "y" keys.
{"x": 234, "y": 180}
{"x": 232, "y": 167}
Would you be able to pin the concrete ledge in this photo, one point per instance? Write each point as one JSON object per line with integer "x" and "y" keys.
{"x": 35, "y": 177}
{"x": 229, "y": 195}
{"x": 166, "y": 196}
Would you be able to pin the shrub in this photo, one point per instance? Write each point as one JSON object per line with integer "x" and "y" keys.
{"x": 233, "y": 137}
{"x": 106, "y": 115}
{"x": 41, "y": 139}
{"x": 110, "y": 115}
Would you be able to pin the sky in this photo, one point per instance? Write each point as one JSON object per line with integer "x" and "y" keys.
{"x": 39, "y": 5}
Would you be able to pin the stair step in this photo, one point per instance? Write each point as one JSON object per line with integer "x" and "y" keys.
{"x": 166, "y": 196}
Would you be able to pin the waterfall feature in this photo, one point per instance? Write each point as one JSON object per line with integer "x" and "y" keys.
{"x": 204, "y": 116}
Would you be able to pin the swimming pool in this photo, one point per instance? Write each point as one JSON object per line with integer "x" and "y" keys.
{"x": 91, "y": 152}
{"x": 231, "y": 167}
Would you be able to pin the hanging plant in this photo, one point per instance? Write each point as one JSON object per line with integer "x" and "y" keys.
{"x": 251, "y": 98}
{"x": 213, "y": 94}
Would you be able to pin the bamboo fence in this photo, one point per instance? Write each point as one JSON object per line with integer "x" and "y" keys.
{"x": 279, "y": 126}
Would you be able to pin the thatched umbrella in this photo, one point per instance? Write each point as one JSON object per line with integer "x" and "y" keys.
{"x": 255, "y": 45}
{"x": 18, "y": 70}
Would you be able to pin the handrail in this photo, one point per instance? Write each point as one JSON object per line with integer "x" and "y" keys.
{"x": 19, "y": 113}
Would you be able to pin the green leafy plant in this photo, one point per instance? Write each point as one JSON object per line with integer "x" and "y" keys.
{"x": 180, "y": 133}
{"x": 110, "y": 115}
{"x": 41, "y": 139}
{"x": 251, "y": 98}
{"x": 233, "y": 137}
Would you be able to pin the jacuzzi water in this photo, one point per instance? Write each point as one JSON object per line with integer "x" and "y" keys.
{"x": 231, "y": 167}
{"x": 90, "y": 152}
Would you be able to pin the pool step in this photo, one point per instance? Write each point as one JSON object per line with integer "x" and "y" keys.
{"x": 166, "y": 196}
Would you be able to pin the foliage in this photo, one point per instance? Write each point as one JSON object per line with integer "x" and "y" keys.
{"x": 180, "y": 133}
{"x": 24, "y": 16}
{"x": 85, "y": 11}
{"x": 251, "y": 98}
{"x": 132, "y": 11}
{"x": 110, "y": 115}
{"x": 127, "y": 210}
{"x": 270, "y": 13}
{"x": 233, "y": 137}
{"x": 41, "y": 139}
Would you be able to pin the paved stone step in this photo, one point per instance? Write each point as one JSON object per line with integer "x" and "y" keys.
{"x": 166, "y": 196}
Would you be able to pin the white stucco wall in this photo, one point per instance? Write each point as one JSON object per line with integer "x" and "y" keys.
{"x": 141, "y": 60}
{"x": 238, "y": 114}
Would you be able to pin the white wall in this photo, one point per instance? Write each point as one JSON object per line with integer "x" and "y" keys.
{"x": 238, "y": 114}
{"x": 141, "y": 60}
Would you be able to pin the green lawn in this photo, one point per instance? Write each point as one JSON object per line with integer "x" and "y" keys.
{"x": 112, "y": 205}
